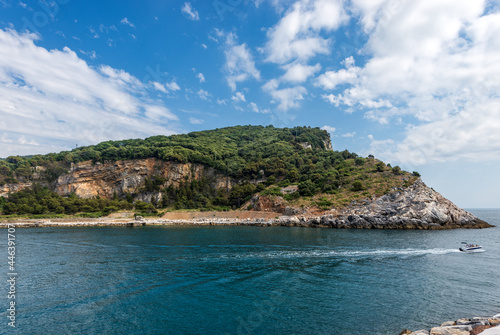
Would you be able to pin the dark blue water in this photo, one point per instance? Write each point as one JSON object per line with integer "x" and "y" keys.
{"x": 249, "y": 280}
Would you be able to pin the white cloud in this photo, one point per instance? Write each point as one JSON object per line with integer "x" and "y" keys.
{"x": 299, "y": 73}
{"x": 204, "y": 95}
{"x": 329, "y": 129}
{"x": 470, "y": 135}
{"x": 158, "y": 86}
{"x": 191, "y": 13}
{"x": 331, "y": 79}
{"x": 352, "y": 134}
{"x": 173, "y": 86}
{"x": 255, "y": 108}
{"x": 297, "y": 36}
{"x": 93, "y": 32}
{"x": 240, "y": 65}
{"x": 201, "y": 77}
{"x": 193, "y": 120}
{"x": 90, "y": 54}
{"x": 435, "y": 61}
{"x": 106, "y": 30}
{"x": 238, "y": 97}
{"x": 287, "y": 97}
{"x": 125, "y": 21}
{"x": 58, "y": 99}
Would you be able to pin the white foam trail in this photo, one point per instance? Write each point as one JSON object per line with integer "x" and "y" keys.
{"x": 288, "y": 254}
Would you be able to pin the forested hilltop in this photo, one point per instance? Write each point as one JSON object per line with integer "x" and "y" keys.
{"x": 296, "y": 165}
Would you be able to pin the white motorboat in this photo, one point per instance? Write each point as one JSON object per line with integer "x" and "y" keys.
{"x": 471, "y": 247}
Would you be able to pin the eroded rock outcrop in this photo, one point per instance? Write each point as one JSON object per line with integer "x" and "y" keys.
{"x": 414, "y": 207}
{"x": 88, "y": 180}
{"x": 8, "y": 188}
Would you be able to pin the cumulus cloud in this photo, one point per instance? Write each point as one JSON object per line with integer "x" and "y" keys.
{"x": 469, "y": 135}
{"x": 238, "y": 97}
{"x": 190, "y": 12}
{"x": 329, "y": 129}
{"x": 331, "y": 79}
{"x": 201, "y": 77}
{"x": 299, "y": 73}
{"x": 59, "y": 100}
{"x": 255, "y": 108}
{"x": 204, "y": 95}
{"x": 240, "y": 64}
{"x": 297, "y": 36}
{"x": 173, "y": 86}
{"x": 160, "y": 87}
{"x": 437, "y": 62}
{"x": 286, "y": 97}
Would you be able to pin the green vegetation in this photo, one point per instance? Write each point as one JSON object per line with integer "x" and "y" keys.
{"x": 241, "y": 152}
{"x": 261, "y": 159}
{"x": 40, "y": 200}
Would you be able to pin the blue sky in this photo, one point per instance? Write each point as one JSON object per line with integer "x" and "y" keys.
{"x": 415, "y": 83}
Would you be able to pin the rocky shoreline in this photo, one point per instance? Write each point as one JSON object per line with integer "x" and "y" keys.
{"x": 325, "y": 221}
{"x": 472, "y": 326}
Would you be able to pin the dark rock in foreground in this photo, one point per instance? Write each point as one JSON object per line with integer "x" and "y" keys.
{"x": 472, "y": 326}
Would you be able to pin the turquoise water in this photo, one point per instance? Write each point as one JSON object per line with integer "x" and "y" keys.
{"x": 249, "y": 280}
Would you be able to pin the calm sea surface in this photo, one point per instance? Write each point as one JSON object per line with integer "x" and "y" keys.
{"x": 248, "y": 280}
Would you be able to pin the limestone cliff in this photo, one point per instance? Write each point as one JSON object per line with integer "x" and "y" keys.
{"x": 88, "y": 180}
{"x": 8, "y": 188}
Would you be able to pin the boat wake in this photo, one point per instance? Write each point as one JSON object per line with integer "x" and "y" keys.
{"x": 342, "y": 254}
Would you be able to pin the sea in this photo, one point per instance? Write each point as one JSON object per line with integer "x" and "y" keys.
{"x": 246, "y": 280}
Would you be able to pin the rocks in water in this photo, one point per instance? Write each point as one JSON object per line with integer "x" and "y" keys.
{"x": 448, "y": 323}
{"x": 479, "y": 329}
{"x": 463, "y": 321}
{"x": 495, "y": 321}
{"x": 472, "y": 326}
{"x": 451, "y": 330}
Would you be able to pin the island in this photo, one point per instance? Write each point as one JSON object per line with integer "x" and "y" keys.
{"x": 250, "y": 175}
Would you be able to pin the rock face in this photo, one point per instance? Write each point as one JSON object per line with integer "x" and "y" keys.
{"x": 416, "y": 207}
{"x": 7, "y": 188}
{"x": 88, "y": 180}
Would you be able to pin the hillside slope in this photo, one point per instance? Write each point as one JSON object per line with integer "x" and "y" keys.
{"x": 291, "y": 171}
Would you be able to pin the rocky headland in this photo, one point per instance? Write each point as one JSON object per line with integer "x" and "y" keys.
{"x": 311, "y": 186}
{"x": 413, "y": 207}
